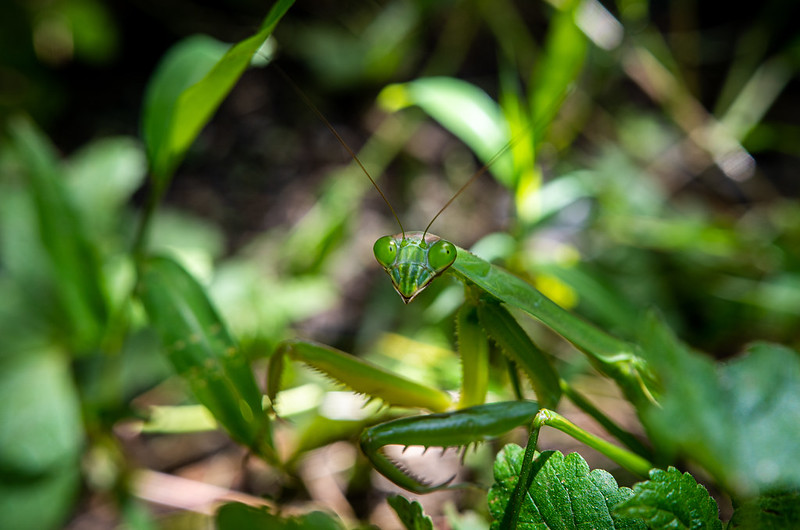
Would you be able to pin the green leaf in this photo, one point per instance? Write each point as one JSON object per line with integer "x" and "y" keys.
{"x": 201, "y": 350}
{"x": 188, "y": 86}
{"x": 671, "y": 500}
{"x": 463, "y": 109}
{"x": 737, "y": 419}
{"x": 769, "y": 512}
{"x": 74, "y": 264}
{"x": 40, "y": 440}
{"x": 564, "y": 494}
{"x": 102, "y": 177}
{"x": 410, "y": 513}
{"x": 560, "y": 64}
{"x": 237, "y": 516}
{"x": 41, "y": 502}
{"x": 39, "y": 412}
{"x": 182, "y": 66}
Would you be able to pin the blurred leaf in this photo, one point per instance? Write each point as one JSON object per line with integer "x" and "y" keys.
{"x": 73, "y": 260}
{"x": 357, "y": 50}
{"x": 201, "y": 350}
{"x": 237, "y": 516}
{"x": 260, "y": 305}
{"x": 769, "y": 512}
{"x": 182, "y": 66}
{"x": 102, "y": 177}
{"x": 27, "y": 286}
{"x": 671, "y": 500}
{"x": 559, "y": 65}
{"x": 189, "y": 84}
{"x": 41, "y": 502}
{"x": 94, "y": 31}
{"x": 184, "y": 418}
{"x": 40, "y": 413}
{"x": 563, "y": 494}
{"x": 737, "y": 419}
{"x": 410, "y": 513}
{"x": 196, "y": 241}
{"x": 40, "y": 441}
{"x": 463, "y": 109}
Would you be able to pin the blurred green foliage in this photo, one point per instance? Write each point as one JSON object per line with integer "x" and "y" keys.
{"x": 663, "y": 175}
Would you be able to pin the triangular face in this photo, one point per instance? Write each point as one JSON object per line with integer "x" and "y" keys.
{"x": 413, "y": 262}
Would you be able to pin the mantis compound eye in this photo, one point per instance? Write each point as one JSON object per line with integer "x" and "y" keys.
{"x": 385, "y": 250}
{"x": 441, "y": 255}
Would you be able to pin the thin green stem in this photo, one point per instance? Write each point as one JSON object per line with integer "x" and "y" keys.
{"x": 624, "y": 436}
{"x": 530, "y": 467}
{"x": 623, "y": 457}
{"x": 140, "y": 240}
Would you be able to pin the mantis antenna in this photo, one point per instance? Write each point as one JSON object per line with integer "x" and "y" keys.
{"x": 330, "y": 127}
{"x": 472, "y": 179}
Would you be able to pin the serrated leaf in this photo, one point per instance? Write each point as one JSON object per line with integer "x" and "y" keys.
{"x": 671, "y": 499}
{"x": 238, "y": 516}
{"x": 410, "y": 513}
{"x": 564, "y": 494}
{"x": 737, "y": 419}
{"x": 768, "y": 512}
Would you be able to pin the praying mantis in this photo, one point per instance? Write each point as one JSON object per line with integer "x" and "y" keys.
{"x": 413, "y": 260}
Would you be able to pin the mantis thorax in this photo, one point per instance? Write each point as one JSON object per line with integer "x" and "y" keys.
{"x": 413, "y": 260}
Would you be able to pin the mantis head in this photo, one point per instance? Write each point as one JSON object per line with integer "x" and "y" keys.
{"x": 413, "y": 260}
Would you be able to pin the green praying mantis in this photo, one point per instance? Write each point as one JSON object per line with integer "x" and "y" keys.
{"x": 413, "y": 260}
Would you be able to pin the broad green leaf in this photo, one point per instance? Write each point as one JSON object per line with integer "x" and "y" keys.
{"x": 74, "y": 264}
{"x": 44, "y": 501}
{"x": 237, "y": 516}
{"x": 39, "y": 412}
{"x": 410, "y": 513}
{"x": 564, "y": 494}
{"x": 737, "y": 419}
{"x": 40, "y": 440}
{"x": 671, "y": 500}
{"x": 201, "y": 350}
{"x": 463, "y": 109}
{"x": 102, "y": 177}
{"x": 188, "y": 86}
{"x": 768, "y": 512}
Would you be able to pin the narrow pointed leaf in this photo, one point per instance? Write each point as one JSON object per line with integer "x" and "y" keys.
{"x": 74, "y": 263}
{"x": 188, "y": 86}
{"x": 201, "y": 350}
